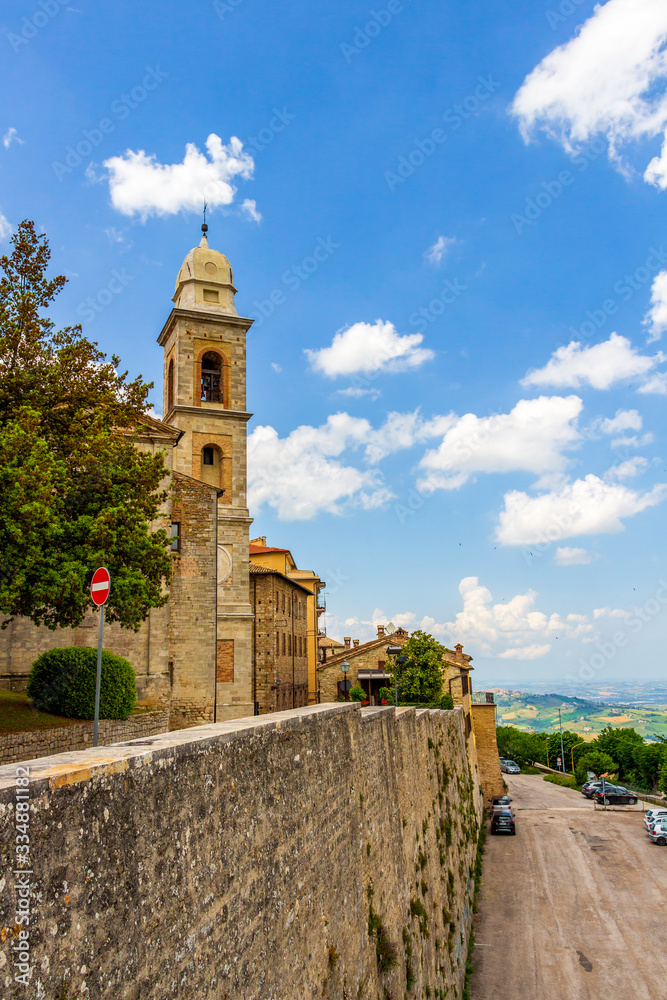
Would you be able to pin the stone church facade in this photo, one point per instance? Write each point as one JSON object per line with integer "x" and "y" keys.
{"x": 195, "y": 654}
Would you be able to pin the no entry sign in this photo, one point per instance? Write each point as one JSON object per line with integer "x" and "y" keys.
{"x": 100, "y": 585}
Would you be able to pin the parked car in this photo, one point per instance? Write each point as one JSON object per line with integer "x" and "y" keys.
{"x": 509, "y": 767}
{"x": 659, "y": 834}
{"x": 657, "y": 814}
{"x": 501, "y": 803}
{"x": 614, "y": 795}
{"x": 503, "y": 822}
{"x": 590, "y": 788}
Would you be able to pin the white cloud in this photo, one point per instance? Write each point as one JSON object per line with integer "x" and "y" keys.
{"x": 5, "y": 228}
{"x": 276, "y": 367}
{"x": 10, "y": 136}
{"x": 356, "y": 392}
{"x": 533, "y": 652}
{"x": 632, "y": 441}
{"x": 440, "y": 248}
{"x": 510, "y": 630}
{"x": 625, "y": 420}
{"x": 627, "y": 470}
{"x": 610, "y": 613}
{"x": 531, "y": 437}
{"x": 249, "y": 206}
{"x": 301, "y": 475}
{"x": 585, "y": 507}
{"x": 599, "y": 366}
{"x": 607, "y": 80}
{"x": 656, "y": 317}
{"x": 139, "y": 185}
{"x": 370, "y": 348}
{"x": 565, "y": 556}
{"x": 657, "y": 383}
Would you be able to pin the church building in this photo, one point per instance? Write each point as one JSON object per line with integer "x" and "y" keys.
{"x": 194, "y": 655}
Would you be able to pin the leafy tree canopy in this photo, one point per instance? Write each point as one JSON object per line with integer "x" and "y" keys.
{"x": 75, "y": 493}
{"x": 420, "y": 677}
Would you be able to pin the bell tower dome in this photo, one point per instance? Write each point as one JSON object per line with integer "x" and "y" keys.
{"x": 205, "y": 281}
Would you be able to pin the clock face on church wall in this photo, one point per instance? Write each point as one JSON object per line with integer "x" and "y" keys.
{"x": 224, "y": 564}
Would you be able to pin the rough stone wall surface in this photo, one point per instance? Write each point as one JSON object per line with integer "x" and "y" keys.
{"x": 288, "y": 856}
{"x": 193, "y": 604}
{"x": 488, "y": 760}
{"x": 79, "y": 736}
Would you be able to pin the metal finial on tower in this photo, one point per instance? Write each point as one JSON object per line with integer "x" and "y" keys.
{"x": 204, "y": 227}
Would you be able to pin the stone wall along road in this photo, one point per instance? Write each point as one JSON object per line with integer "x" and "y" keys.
{"x": 573, "y": 907}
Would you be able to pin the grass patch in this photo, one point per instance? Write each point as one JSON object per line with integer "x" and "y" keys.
{"x": 17, "y": 715}
{"x": 563, "y": 780}
{"x": 531, "y": 770}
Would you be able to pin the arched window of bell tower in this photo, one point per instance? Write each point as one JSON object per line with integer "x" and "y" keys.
{"x": 170, "y": 384}
{"x": 211, "y": 378}
{"x": 211, "y": 465}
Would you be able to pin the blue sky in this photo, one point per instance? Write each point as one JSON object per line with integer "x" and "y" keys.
{"x": 448, "y": 222}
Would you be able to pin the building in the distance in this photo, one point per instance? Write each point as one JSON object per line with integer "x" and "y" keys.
{"x": 368, "y": 665}
{"x": 280, "y": 640}
{"x": 282, "y": 561}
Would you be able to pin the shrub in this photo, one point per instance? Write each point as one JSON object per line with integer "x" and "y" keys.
{"x": 62, "y": 682}
{"x": 386, "y": 694}
{"x": 357, "y": 693}
{"x": 564, "y": 780}
{"x": 447, "y": 702}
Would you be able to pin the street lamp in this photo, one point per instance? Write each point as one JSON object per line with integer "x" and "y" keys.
{"x": 394, "y": 651}
{"x": 345, "y": 666}
{"x": 572, "y": 749}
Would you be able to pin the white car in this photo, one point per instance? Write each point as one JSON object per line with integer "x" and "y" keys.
{"x": 659, "y": 834}
{"x": 652, "y": 815}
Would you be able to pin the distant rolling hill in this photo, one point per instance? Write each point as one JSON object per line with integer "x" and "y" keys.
{"x": 539, "y": 713}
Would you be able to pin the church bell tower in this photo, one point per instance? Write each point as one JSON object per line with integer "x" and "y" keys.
{"x": 204, "y": 342}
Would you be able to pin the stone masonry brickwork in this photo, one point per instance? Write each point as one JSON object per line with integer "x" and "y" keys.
{"x": 244, "y": 859}
{"x": 193, "y": 603}
{"x": 281, "y": 640}
{"x": 79, "y": 736}
{"x": 488, "y": 759}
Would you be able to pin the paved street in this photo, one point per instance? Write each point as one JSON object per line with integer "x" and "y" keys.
{"x": 574, "y": 906}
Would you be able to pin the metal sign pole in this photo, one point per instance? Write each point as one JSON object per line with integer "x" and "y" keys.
{"x": 98, "y": 682}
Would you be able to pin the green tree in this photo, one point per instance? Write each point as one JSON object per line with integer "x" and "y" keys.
{"x": 75, "y": 492}
{"x": 521, "y": 747}
{"x": 595, "y": 761}
{"x": 570, "y": 740}
{"x": 621, "y": 744}
{"x": 420, "y": 677}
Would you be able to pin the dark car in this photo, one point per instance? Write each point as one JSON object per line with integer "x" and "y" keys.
{"x": 615, "y": 795}
{"x": 503, "y": 822}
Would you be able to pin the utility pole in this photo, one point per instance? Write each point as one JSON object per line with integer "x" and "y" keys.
{"x": 562, "y": 752}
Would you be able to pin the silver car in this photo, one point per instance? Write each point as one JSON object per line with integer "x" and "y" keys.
{"x": 651, "y": 816}
{"x": 659, "y": 834}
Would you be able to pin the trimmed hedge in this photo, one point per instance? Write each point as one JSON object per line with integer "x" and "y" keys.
{"x": 62, "y": 682}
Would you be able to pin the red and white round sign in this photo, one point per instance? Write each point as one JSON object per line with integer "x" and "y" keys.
{"x": 100, "y": 585}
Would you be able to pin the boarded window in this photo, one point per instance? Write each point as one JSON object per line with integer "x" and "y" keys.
{"x": 225, "y": 662}
{"x": 170, "y": 384}
{"x": 283, "y": 643}
{"x": 175, "y": 536}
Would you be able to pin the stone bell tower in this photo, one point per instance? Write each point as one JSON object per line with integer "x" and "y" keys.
{"x": 204, "y": 342}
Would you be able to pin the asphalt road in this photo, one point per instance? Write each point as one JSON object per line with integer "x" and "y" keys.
{"x": 574, "y": 907}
